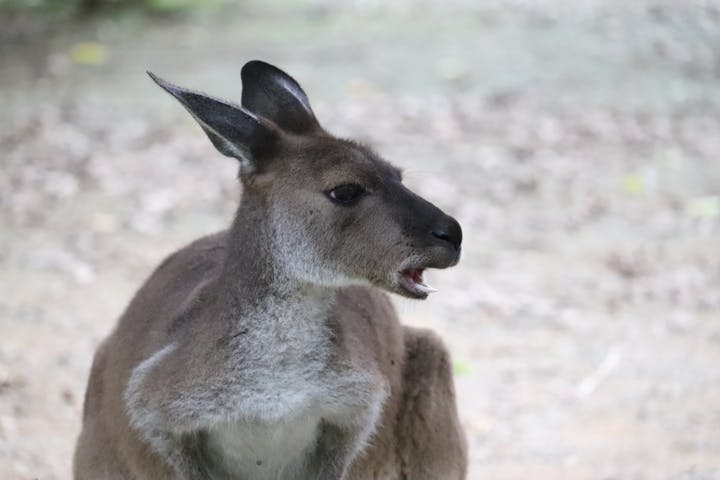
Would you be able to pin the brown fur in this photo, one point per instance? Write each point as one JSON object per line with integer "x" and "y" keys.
{"x": 230, "y": 330}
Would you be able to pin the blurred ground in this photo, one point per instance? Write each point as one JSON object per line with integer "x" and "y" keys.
{"x": 578, "y": 144}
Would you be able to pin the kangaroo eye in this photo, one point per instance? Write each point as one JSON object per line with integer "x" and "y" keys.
{"x": 347, "y": 194}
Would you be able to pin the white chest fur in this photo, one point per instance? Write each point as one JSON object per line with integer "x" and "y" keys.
{"x": 264, "y": 451}
{"x": 289, "y": 383}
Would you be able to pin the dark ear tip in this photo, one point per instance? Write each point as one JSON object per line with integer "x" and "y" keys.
{"x": 253, "y": 63}
{"x": 251, "y": 69}
{"x": 158, "y": 80}
{"x": 165, "y": 85}
{"x": 154, "y": 77}
{"x": 256, "y": 68}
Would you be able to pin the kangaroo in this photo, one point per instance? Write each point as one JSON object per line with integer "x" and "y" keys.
{"x": 269, "y": 350}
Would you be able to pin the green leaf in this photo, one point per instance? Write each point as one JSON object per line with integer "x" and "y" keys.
{"x": 461, "y": 369}
{"x": 633, "y": 184}
{"x": 184, "y": 5}
{"x": 89, "y": 53}
{"x": 704, "y": 207}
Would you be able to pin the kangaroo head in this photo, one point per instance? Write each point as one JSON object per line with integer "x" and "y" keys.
{"x": 338, "y": 214}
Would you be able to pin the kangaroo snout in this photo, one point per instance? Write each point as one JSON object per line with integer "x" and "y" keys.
{"x": 436, "y": 240}
{"x": 424, "y": 223}
{"x": 448, "y": 230}
{"x": 434, "y": 236}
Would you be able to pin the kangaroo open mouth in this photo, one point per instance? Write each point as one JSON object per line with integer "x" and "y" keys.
{"x": 412, "y": 284}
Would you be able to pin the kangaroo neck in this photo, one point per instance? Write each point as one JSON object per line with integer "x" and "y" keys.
{"x": 252, "y": 278}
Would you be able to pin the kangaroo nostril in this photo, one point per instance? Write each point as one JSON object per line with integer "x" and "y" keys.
{"x": 442, "y": 235}
{"x": 448, "y": 231}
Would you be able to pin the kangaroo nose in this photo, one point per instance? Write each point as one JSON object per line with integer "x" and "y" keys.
{"x": 449, "y": 231}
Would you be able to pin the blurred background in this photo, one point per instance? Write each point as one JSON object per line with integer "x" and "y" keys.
{"x": 578, "y": 143}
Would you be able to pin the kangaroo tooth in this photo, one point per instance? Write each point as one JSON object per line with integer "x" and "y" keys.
{"x": 425, "y": 288}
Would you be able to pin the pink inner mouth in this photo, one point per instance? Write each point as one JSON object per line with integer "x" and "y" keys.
{"x": 412, "y": 281}
{"x": 414, "y": 274}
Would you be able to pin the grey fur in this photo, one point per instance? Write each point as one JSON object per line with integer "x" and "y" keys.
{"x": 268, "y": 351}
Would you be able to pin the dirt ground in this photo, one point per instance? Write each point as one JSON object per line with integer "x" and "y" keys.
{"x": 577, "y": 143}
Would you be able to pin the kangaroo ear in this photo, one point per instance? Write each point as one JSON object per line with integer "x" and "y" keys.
{"x": 234, "y": 131}
{"x": 275, "y": 95}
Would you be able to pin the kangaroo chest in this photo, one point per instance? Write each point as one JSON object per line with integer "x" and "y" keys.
{"x": 287, "y": 384}
{"x": 264, "y": 451}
